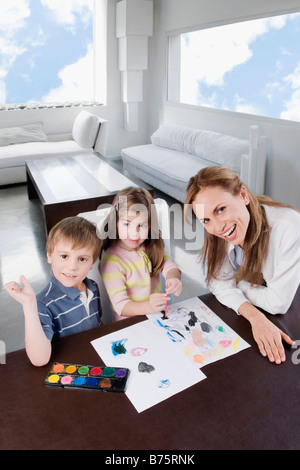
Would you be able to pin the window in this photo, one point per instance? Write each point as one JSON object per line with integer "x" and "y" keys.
{"x": 47, "y": 52}
{"x": 251, "y": 67}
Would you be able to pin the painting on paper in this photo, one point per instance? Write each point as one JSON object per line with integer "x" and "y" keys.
{"x": 198, "y": 332}
{"x": 157, "y": 371}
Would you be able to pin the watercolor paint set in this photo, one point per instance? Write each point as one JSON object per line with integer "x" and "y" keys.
{"x": 85, "y": 377}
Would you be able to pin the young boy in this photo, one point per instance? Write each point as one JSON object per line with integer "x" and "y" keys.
{"x": 70, "y": 303}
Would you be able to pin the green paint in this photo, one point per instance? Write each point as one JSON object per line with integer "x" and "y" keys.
{"x": 83, "y": 370}
{"x": 108, "y": 372}
{"x": 220, "y": 328}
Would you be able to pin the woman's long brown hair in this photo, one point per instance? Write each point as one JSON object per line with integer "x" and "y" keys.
{"x": 256, "y": 241}
{"x": 142, "y": 200}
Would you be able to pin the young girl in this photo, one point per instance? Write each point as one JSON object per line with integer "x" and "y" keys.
{"x": 134, "y": 257}
{"x": 251, "y": 251}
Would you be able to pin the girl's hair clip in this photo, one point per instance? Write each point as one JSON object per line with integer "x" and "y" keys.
{"x": 117, "y": 203}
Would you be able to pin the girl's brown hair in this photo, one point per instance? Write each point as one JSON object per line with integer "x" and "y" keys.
{"x": 78, "y": 231}
{"x": 256, "y": 241}
{"x": 142, "y": 201}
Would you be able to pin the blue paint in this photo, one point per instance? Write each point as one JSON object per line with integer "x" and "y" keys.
{"x": 91, "y": 381}
{"x": 118, "y": 347}
{"x": 79, "y": 381}
{"x": 172, "y": 334}
{"x": 164, "y": 383}
{"x": 210, "y": 342}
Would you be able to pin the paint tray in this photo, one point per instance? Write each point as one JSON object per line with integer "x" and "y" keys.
{"x": 86, "y": 377}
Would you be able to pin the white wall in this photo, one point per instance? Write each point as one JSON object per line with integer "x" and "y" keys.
{"x": 283, "y": 170}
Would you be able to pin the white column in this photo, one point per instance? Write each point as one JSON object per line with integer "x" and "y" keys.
{"x": 134, "y": 24}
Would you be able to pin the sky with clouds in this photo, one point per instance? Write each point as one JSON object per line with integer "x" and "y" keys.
{"x": 46, "y": 52}
{"x": 251, "y": 67}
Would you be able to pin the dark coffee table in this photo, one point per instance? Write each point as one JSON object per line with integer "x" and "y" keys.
{"x": 68, "y": 185}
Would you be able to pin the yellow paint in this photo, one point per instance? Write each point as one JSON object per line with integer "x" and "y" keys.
{"x": 188, "y": 352}
{"x": 53, "y": 379}
{"x": 236, "y": 343}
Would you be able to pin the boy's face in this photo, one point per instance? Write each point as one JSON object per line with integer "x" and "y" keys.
{"x": 70, "y": 266}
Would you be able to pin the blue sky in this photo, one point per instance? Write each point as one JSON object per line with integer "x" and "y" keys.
{"x": 251, "y": 67}
{"x": 46, "y": 50}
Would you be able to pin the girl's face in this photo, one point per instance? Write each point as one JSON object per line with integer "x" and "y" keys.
{"x": 222, "y": 214}
{"x": 132, "y": 229}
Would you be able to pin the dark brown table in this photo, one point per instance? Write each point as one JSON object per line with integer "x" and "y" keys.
{"x": 69, "y": 185}
{"x": 244, "y": 403}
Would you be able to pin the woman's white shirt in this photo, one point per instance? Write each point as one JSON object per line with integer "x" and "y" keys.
{"x": 280, "y": 270}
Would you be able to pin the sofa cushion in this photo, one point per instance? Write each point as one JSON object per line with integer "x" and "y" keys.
{"x": 85, "y": 129}
{"x": 16, "y": 155}
{"x": 20, "y": 134}
{"x": 214, "y": 147}
{"x": 164, "y": 163}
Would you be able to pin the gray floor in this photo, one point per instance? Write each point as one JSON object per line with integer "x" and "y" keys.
{"x": 22, "y": 251}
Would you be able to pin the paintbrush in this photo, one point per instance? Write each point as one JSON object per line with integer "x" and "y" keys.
{"x": 166, "y": 306}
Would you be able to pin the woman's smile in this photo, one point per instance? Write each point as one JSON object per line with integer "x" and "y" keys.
{"x": 230, "y": 234}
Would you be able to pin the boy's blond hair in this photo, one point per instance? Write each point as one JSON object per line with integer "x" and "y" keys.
{"x": 77, "y": 230}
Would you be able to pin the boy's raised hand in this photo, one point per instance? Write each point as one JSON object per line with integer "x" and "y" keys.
{"x": 23, "y": 294}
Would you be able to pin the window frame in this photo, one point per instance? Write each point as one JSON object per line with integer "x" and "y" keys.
{"x": 173, "y": 44}
{"x": 99, "y": 69}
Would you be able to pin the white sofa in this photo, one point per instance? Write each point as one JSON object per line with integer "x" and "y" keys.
{"x": 177, "y": 153}
{"x": 29, "y": 142}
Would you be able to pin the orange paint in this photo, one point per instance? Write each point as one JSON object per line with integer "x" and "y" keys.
{"x": 198, "y": 358}
{"x": 58, "y": 368}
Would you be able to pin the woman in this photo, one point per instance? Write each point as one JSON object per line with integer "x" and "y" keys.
{"x": 251, "y": 252}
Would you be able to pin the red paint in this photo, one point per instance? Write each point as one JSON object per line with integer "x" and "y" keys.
{"x": 96, "y": 371}
{"x": 225, "y": 343}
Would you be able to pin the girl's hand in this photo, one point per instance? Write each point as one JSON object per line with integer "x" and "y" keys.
{"x": 174, "y": 286}
{"x": 24, "y": 294}
{"x": 158, "y": 301}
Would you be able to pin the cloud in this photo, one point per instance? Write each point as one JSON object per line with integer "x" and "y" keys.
{"x": 13, "y": 15}
{"x": 292, "y": 111}
{"x": 2, "y": 91}
{"x": 67, "y": 11}
{"x": 292, "y": 106}
{"x": 216, "y": 51}
{"x": 272, "y": 88}
{"x": 76, "y": 81}
{"x": 241, "y": 106}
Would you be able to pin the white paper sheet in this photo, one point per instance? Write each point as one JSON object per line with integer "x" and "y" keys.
{"x": 141, "y": 344}
{"x": 197, "y": 333}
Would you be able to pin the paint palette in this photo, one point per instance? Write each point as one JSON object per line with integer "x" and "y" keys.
{"x": 85, "y": 377}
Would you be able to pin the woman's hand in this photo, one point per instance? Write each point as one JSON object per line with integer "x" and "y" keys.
{"x": 269, "y": 339}
{"x": 267, "y": 335}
